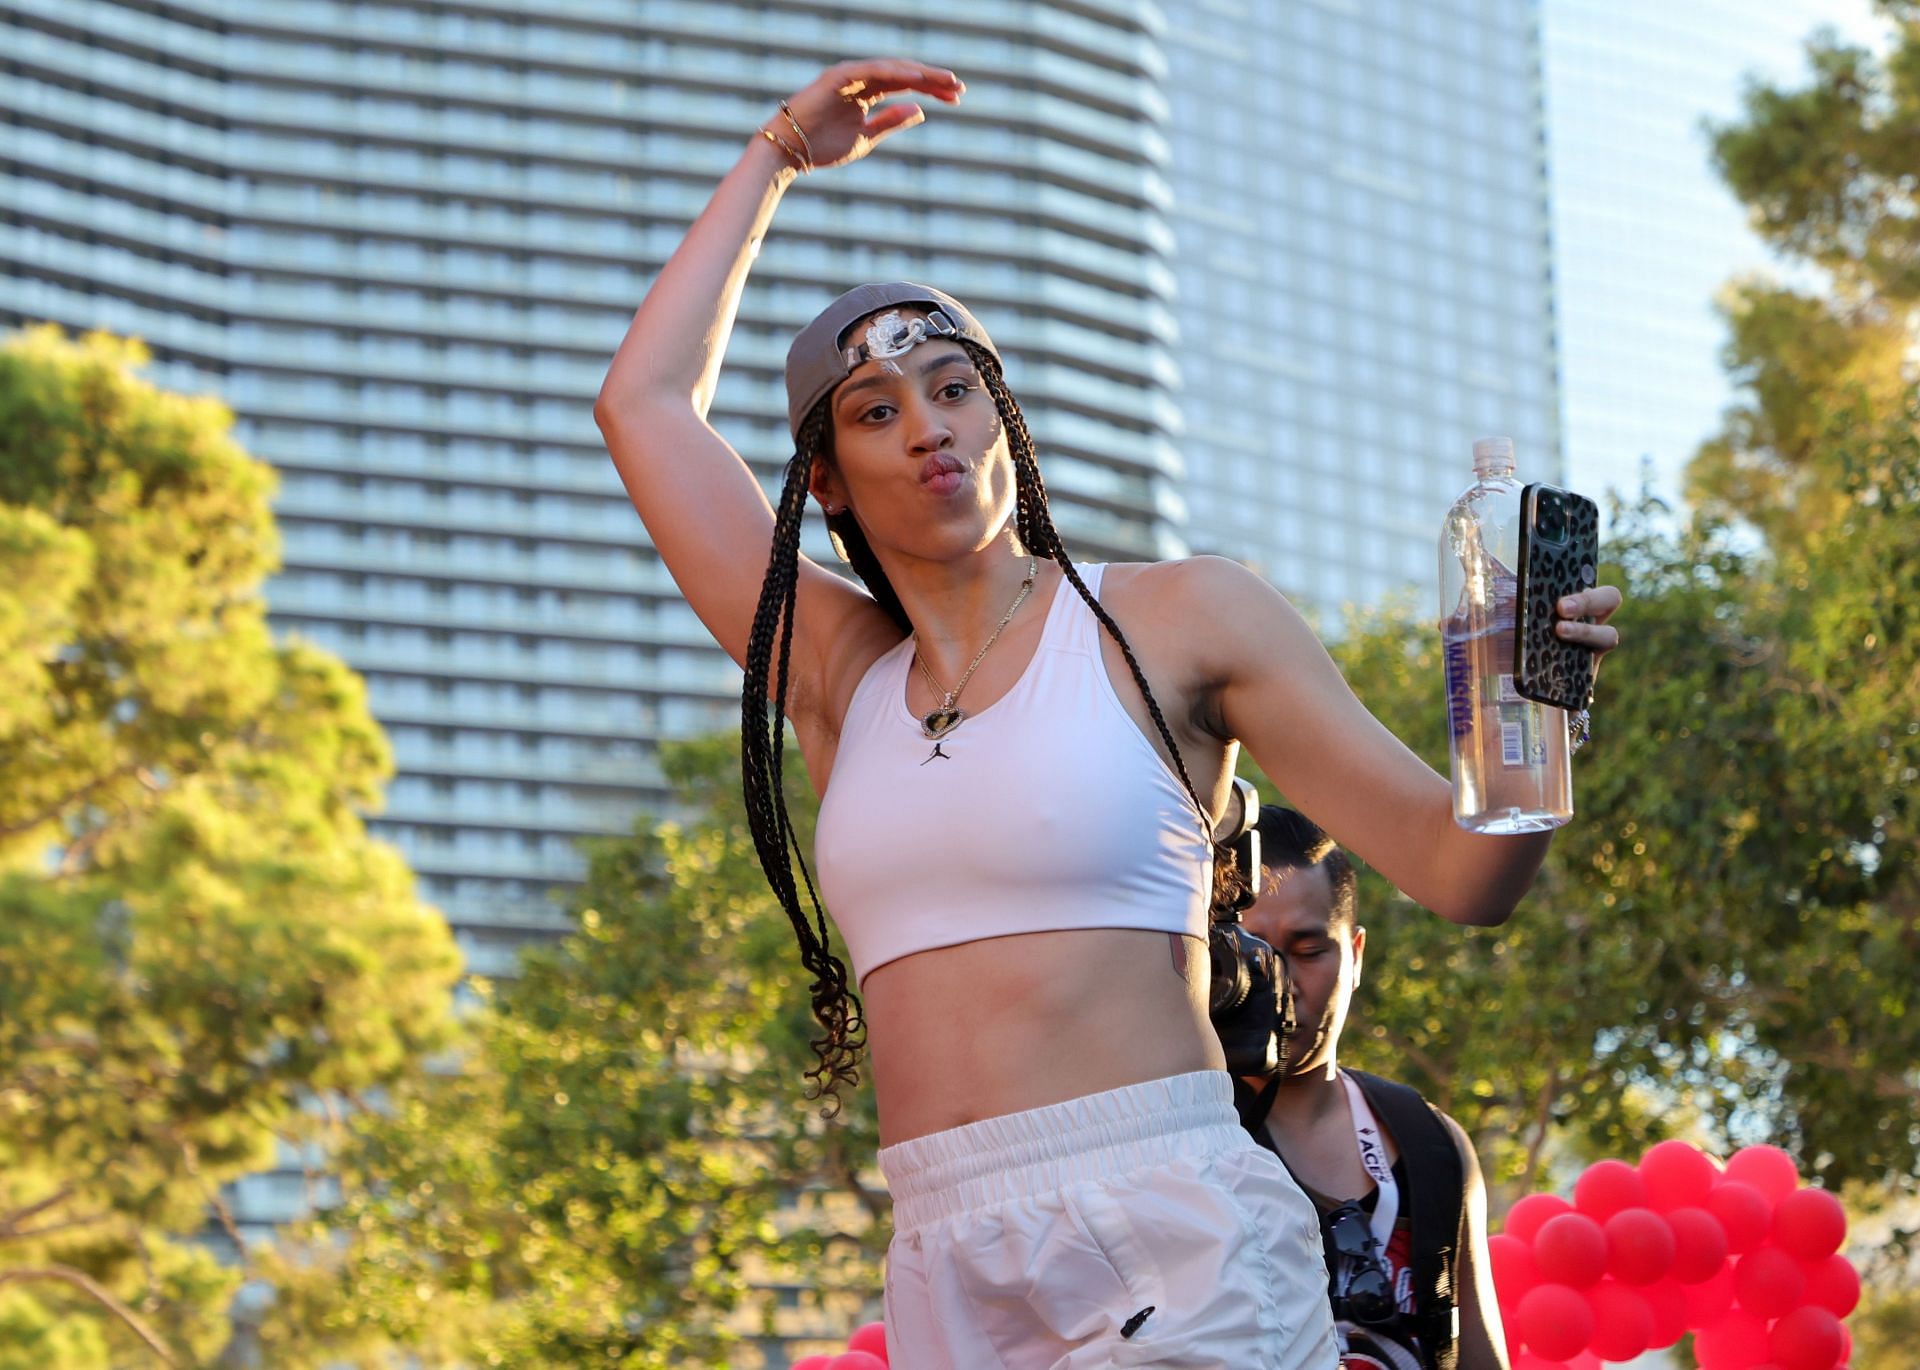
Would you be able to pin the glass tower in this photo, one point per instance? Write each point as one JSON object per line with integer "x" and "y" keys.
{"x": 1360, "y": 203}
{"x": 1645, "y": 233}
{"x": 402, "y": 239}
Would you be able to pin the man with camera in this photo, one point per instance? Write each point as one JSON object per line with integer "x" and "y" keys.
{"x": 1402, "y": 1208}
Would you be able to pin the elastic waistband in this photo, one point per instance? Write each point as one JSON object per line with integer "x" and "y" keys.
{"x": 1044, "y": 1150}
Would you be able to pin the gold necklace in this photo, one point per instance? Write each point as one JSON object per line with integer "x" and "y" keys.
{"x": 946, "y": 718}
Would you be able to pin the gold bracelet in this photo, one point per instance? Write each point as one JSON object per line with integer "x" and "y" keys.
{"x": 798, "y": 132}
{"x": 793, "y": 156}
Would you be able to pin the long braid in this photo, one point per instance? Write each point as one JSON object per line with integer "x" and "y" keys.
{"x": 1034, "y": 521}
{"x": 762, "y": 749}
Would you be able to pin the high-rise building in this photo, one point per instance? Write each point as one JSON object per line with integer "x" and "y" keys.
{"x": 1645, "y": 232}
{"x": 402, "y": 239}
{"x": 1360, "y": 203}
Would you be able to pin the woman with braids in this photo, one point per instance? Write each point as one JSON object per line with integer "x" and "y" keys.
{"x": 1019, "y": 760}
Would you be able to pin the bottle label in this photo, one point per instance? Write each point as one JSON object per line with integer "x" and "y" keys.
{"x": 1512, "y": 721}
{"x": 1454, "y": 651}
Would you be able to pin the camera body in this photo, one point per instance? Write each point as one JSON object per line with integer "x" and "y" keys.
{"x": 1250, "y": 996}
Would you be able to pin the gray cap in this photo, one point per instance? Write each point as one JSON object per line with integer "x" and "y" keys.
{"x": 819, "y": 360}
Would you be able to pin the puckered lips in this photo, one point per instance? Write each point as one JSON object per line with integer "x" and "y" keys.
{"x": 942, "y": 473}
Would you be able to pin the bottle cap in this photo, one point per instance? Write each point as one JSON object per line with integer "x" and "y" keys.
{"x": 1491, "y": 455}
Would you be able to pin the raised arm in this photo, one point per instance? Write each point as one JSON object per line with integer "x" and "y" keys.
{"x": 1277, "y": 691}
{"x": 702, "y": 506}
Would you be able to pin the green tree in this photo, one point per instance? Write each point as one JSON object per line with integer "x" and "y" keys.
{"x": 197, "y": 937}
{"x": 1718, "y": 940}
{"x": 1826, "y": 171}
{"x": 615, "y": 1168}
{"x": 1822, "y": 458}
{"x": 1731, "y": 921}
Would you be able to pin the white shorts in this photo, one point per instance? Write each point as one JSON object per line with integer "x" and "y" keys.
{"x": 1041, "y": 1240}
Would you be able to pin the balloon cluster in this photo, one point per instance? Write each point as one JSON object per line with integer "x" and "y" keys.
{"x": 866, "y": 1350}
{"x": 1743, "y": 1257}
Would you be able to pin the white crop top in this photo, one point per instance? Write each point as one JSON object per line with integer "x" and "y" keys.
{"x": 1047, "y": 810}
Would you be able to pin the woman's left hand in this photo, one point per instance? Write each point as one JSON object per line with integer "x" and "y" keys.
{"x": 1598, "y": 605}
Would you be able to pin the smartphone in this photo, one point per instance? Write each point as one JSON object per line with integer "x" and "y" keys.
{"x": 1559, "y": 555}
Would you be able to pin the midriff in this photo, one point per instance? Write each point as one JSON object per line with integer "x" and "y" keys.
{"x": 992, "y": 1027}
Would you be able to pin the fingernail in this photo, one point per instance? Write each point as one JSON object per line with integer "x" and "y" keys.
{"x": 1569, "y": 604}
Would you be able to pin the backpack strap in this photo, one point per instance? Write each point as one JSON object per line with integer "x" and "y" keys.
{"x": 1252, "y": 1105}
{"x": 1436, "y": 1209}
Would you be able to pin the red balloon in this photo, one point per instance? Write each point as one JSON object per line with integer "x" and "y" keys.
{"x": 1768, "y": 1169}
{"x": 856, "y": 1360}
{"x": 1736, "y": 1342}
{"x": 1846, "y": 1344}
{"x": 1555, "y": 1321}
{"x": 1768, "y": 1282}
{"x": 813, "y": 1363}
{"x": 1622, "y": 1321}
{"x": 1699, "y": 1244}
{"x": 1809, "y": 1224}
{"x": 1514, "y": 1271}
{"x": 1833, "y": 1284}
{"x": 1640, "y": 1246}
{"x": 1571, "y": 1249}
{"x": 1743, "y": 1211}
{"x": 1710, "y": 1300}
{"x": 1526, "y": 1218}
{"x": 1677, "y": 1175}
{"x": 1606, "y": 1188}
{"x": 1669, "y": 1309}
{"x": 1806, "y": 1339}
{"x": 871, "y": 1338}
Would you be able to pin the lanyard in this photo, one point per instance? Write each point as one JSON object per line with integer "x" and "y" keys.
{"x": 1373, "y": 1155}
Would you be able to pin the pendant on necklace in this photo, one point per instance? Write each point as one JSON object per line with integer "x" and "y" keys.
{"x": 941, "y": 721}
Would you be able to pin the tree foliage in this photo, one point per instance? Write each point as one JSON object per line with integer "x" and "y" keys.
{"x": 197, "y": 936}
{"x": 1826, "y": 171}
{"x": 1724, "y": 942}
{"x": 1722, "y": 939}
{"x": 1726, "y": 936}
{"x": 626, "y": 1162}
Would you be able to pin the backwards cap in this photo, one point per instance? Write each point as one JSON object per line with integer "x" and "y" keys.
{"x": 821, "y": 357}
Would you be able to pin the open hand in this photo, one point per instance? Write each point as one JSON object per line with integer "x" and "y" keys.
{"x": 837, "y": 108}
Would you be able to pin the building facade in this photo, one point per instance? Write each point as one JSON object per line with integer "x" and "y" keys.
{"x": 1360, "y": 203}
{"x": 402, "y": 240}
{"x": 1645, "y": 233}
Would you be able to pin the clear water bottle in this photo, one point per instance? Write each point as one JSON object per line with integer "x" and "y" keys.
{"x": 1510, "y": 754}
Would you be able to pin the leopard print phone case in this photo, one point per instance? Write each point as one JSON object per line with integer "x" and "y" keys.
{"x": 1559, "y": 555}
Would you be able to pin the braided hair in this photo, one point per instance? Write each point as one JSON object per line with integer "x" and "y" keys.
{"x": 763, "y": 711}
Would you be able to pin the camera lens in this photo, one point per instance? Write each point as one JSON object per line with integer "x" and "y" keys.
{"x": 1232, "y": 980}
{"x": 1551, "y": 522}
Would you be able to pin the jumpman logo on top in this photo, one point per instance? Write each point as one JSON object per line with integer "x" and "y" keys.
{"x": 936, "y": 752}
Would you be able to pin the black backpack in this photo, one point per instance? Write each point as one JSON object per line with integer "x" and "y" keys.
{"x": 1436, "y": 1200}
